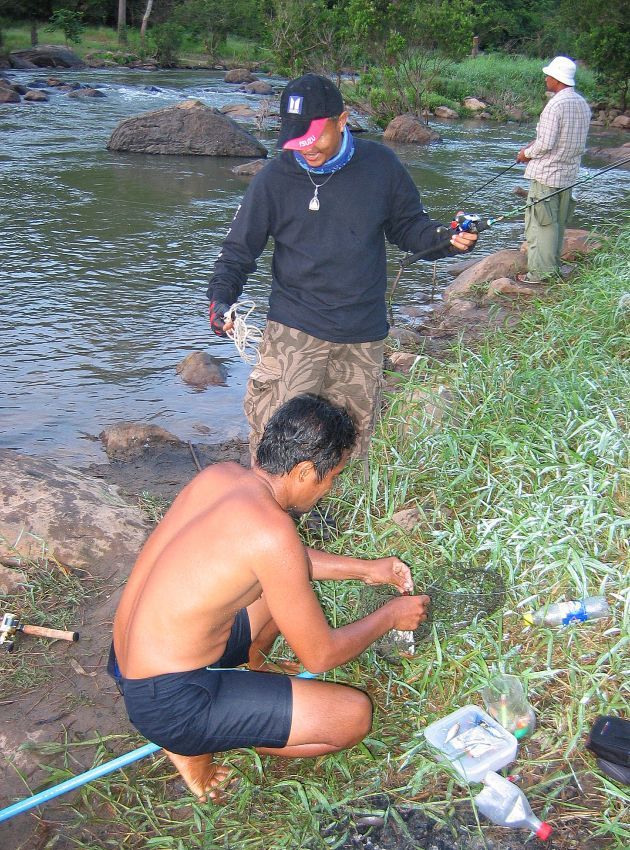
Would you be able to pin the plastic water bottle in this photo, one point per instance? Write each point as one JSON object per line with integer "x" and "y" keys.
{"x": 561, "y": 613}
{"x": 504, "y": 803}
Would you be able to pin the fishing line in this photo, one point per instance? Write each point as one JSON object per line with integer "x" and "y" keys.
{"x": 488, "y": 182}
{"x": 245, "y": 337}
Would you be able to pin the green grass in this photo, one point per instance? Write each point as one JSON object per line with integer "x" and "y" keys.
{"x": 102, "y": 42}
{"x": 509, "y": 84}
{"x": 529, "y": 477}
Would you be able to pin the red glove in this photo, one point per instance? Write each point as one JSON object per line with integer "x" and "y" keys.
{"x": 216, "y": 315}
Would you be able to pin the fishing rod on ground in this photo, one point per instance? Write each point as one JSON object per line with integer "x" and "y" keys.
{"x": 469, "y": 223}
{"x": 100, "y": 770}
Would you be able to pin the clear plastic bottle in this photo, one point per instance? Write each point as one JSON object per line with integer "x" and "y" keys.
{"x": 506, "y": 701}
{"x": 504, "y": 803}
{"x": 561, "y": 613}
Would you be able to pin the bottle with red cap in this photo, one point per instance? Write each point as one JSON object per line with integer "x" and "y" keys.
{"x": 504, "y": 803}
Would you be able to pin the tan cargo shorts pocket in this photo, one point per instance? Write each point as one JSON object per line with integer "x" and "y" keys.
{"x": 261, "y": 396}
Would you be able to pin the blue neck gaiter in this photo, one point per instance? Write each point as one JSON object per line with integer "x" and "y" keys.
{"x": 334, "y": 163}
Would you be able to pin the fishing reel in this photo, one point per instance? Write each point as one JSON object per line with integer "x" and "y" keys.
{"x": 467, "y": 223}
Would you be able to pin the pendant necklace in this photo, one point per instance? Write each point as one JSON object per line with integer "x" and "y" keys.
{"x": 314, "y": 202}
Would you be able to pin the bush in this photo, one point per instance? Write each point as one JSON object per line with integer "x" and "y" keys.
{"x": 167, "y": 40}
{"x": 70, "y": 23}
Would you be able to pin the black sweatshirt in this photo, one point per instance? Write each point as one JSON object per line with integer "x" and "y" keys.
{"x": 329, "y": 268}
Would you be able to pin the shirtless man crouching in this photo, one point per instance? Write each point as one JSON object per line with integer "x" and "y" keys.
{"x": 219, "y": 578}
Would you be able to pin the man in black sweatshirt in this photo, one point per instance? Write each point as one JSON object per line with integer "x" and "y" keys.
{"x": 329, "y": 202}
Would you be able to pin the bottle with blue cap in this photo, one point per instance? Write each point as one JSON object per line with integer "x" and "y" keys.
{"x": 563, "y": 613}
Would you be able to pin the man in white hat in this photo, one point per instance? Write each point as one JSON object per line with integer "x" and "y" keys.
{"x": 553, "y": 162}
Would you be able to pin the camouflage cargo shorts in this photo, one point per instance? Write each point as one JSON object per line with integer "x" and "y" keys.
{"x": 293, "y": 362}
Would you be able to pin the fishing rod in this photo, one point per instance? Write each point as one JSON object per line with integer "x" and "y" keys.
{"x": 465, "y": 222}
{"x": 75, "y": 782}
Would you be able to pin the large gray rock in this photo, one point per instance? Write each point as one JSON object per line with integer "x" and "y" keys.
{"x": 200, "y": 370}
{"x": 48, "y": 510}
{"x": 249, "y": 169}
{"x": 506, "y": 263}
{"x": 240, "y": 75}
{"x": 127, "y": 440}
{"x": 257, "y": 87}
{"x": 8, "y": 95}
{"x": 45, "y": 56}
{"x": 189, "y": 128}
{"x": 613, "y": 154}
{"x": 409, "y": 129}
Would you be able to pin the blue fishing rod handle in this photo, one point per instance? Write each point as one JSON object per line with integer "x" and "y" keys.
{"x": 76, "y": 781}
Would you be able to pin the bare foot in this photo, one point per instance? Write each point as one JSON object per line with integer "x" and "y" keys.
{"x": 200, "y": 773}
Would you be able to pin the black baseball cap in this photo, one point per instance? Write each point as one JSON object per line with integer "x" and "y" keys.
{"x": 305, "y": 105}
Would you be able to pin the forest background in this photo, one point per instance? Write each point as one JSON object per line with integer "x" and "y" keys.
{"x": 404, "y": 49}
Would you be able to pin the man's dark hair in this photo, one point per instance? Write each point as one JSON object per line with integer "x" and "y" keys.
{"x": 309, "y": 428}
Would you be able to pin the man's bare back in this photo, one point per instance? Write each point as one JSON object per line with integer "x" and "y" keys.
{"x": 195, "y": 572}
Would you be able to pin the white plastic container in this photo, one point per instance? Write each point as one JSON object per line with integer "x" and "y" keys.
{"x": 472, "y": 741}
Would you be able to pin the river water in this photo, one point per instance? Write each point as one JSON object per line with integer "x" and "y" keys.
{"x": 105, "y": 257}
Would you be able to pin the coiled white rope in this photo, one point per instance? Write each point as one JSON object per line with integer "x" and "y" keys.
{"x": 245, "y": 337}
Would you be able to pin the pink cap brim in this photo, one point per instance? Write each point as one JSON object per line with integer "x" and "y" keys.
{"x": 309, "y": 138}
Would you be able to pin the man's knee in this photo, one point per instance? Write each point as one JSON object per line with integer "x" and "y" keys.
{"x": 361, "y": 713}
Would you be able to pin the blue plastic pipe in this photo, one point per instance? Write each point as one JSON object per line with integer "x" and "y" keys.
{"x": 94, "y": 773}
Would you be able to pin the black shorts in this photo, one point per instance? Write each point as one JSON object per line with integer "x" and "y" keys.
{"x": 214, "y": 708}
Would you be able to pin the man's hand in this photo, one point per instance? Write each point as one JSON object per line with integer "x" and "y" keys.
{"x": 521, "y": 156}
{"x": 464, "y": 240}
{"x": 409, "y": 611}
{"x": 390, "y": 571}
{"x": 216, "y": 314}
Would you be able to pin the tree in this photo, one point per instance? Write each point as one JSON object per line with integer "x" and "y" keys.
{"x": 208, "y": 20}
{"x": 296, "y": 27}
{"x": 122, "y": 21}
{"x": 69, "y": 22}
{"x": 445, "y": 26}
{"x": 145, "y": 20}
{"x": 602, "y": 38}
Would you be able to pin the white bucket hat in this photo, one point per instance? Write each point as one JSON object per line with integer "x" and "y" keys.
{"x": 561, "y": 68}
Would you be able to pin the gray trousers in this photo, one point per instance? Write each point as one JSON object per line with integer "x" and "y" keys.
{"x": 544, "y": 229}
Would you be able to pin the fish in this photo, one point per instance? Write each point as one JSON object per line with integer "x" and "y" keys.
{"x": 451, "y": 733}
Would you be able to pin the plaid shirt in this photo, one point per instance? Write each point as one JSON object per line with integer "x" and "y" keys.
{"x": 560, "y": 140}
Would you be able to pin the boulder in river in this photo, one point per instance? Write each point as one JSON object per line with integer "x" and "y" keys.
{"x": 409, "y": 128}
{"x": 86, "y": 91}
{"x": 128, "y": 440}
{"x": 248, "y": 169}
{"x": 613, "y": 154}
{"x": 8, "y": 95}
{"x": 240, "y": 75}
{"x": 445, "y": 112}
{"x": 36, "y": 96}
{"x": 200, "y": 370}
{"x": 189, "y": 128}
{"x": 45, "y": 56}
{"x": 257, "y": 87}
